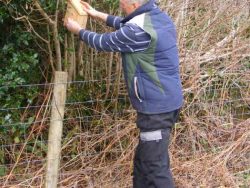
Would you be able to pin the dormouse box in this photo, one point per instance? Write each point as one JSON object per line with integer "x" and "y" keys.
{"x": 75, "y": 12}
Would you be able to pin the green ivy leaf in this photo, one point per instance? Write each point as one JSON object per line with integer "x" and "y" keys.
{"x": 17, "y": 140}
{"x": 2, "y": 170}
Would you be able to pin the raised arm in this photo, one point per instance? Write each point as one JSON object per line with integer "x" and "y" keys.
{"x": 114, "y": 21}
{"x": 111, "y": 21}
{"x": 127, "y": 39}
{"x": 93, "y": 12}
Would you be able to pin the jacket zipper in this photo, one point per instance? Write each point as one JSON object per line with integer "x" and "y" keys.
{"x": 136, "y": 89}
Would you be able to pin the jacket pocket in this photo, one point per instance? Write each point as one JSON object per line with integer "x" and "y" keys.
{"x": 136, "y": 89}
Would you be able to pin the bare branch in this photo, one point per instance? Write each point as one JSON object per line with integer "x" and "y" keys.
{"x": 43, "y": 13}
{"x": 32, "y": 28}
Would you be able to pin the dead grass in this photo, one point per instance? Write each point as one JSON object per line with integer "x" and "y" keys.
{"x": 211, "y": 143}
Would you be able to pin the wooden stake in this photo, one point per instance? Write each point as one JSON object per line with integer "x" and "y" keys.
{"x": 55, "y": 130}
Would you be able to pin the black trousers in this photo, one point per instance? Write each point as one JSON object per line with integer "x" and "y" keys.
{"x": 151, "y": 161}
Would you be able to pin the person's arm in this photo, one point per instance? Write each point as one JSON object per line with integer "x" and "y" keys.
{"x": 127, "y": 39}
{"x": 111, "y": 21}
{"x": 93, "y": 12}
{"x": 114, "y": 21}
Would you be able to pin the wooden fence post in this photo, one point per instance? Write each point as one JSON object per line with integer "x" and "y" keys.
{"x": 55, "y": 130}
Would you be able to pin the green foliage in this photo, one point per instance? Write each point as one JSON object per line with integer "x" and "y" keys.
{"x": 18, "y": 66}
{"x": 106, "y": 5}
{"x": 3, "y": 13}
{"x": 2, "y": 170}
{"x": 114, "y": 4}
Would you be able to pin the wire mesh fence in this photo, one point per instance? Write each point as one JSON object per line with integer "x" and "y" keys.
{"x": 100, "y": 136}
{"x": 210, "y": 145}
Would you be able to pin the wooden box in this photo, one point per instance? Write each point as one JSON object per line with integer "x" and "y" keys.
{"x": 75, "y": 12}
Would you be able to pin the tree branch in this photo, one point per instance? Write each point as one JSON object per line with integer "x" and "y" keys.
{"x": 55, "y": 32}
{"x": 43, "y": 13}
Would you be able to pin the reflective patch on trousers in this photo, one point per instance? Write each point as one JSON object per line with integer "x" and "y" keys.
{"x": 151, "y": 136}
{"x": 152, "y": 146}
{"x": 151, "y": 163}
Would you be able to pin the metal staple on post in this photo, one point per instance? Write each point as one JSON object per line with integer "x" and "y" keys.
{"x": 55, "y": 130}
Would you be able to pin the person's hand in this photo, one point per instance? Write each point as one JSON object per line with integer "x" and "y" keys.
{"x": 89, "y": 9}
{"x": 72, "y": 26}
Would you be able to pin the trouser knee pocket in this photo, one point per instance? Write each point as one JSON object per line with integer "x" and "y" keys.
{"x": 152, "y": 146}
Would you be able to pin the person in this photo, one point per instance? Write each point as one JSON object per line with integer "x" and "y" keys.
{"x": 146, "y": 38}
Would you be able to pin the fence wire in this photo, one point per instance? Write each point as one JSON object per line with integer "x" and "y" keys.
{"x": 94, "y": 123}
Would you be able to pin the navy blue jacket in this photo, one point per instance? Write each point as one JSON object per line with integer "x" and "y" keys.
{"x": 152, "y": 73}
